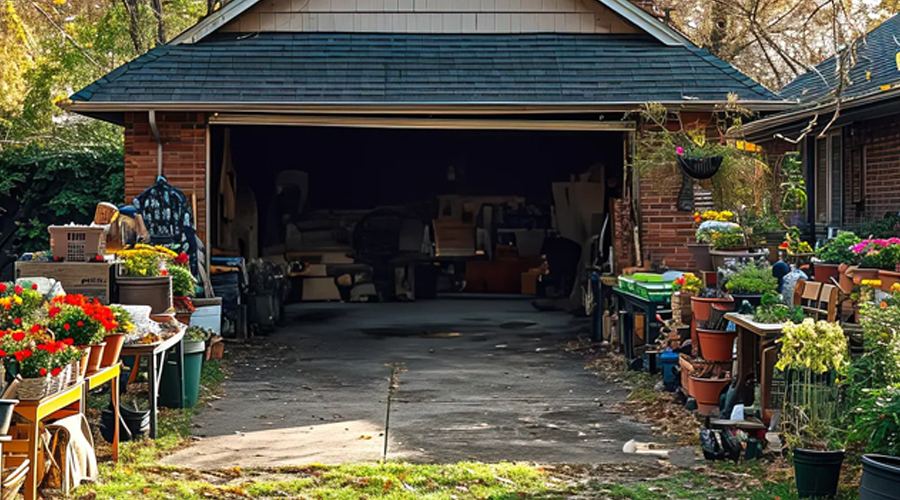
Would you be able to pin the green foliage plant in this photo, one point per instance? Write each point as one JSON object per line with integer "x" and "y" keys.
{"x": 729, "y": 241}
{"x": 182, "y": 281}
{"x": 838, "y": 249}
{"x": 772, "y": 310}
{"x": 752, "y": 279}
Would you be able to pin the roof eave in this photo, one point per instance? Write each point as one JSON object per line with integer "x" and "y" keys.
{"x": 86, "y": 107}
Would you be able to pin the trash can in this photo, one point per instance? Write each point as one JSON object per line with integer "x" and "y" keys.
{"x": 170, "y": 390}
{"x": 669, "y": 360}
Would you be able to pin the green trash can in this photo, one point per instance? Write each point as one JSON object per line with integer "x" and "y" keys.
{"x": 169, "y": 393}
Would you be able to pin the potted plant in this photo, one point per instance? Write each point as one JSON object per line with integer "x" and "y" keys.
{"x": 84, "y": 321}
{"x": 833, "y": 253}
{"x": 700, "y": 250}
{"x": 33, "y": 368}
{"x": 813, "y": 355}
{"x": 18, "y": 304}
{"x": 771, "y": 310}
{"x": 144, "y": 277}
{"x": 878, "y": 260}
{"x": 686, "y": 286}
{"x": 750, "y": 282}
{"x": 115, "y": 338}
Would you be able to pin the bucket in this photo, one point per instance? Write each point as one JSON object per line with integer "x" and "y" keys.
{"x": 880, "y": 477}
{"x": 669, "y": 360}
{"x": 170, "y": 391}
{"x": 133, "y": 426}
{"x": 818, "y": 472}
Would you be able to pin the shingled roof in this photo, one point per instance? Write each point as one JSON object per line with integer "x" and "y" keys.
{"x": 876, "y": 66}
{"x": 422, "y": 68}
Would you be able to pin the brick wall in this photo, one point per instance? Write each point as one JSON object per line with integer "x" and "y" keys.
{"x": 881, "y": 139}
{"x": 665, "y": 231}
{"x": 184, "y": 156}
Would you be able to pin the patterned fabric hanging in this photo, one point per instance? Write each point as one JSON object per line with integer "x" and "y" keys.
{"x": 166, "y": 211}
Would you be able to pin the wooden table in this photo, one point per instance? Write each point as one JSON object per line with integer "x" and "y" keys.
{"x": 35, "y": 412}
{"x": 157, "y": 354}
{"x": 98, "y": 378}
{"x": 757, "y": 354}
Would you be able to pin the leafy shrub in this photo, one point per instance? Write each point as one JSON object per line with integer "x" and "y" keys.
{"x": 887, "y": 227}
{"x": 839, "y": 249}
{"x": 752, "y": 279}
{"x": 182, "y": 281}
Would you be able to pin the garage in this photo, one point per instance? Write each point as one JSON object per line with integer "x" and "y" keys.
{"x": 370, "y": 209}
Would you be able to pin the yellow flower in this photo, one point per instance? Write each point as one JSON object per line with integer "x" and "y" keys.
{"x": 59, "y": 2}
{"x": 18, "y": 299}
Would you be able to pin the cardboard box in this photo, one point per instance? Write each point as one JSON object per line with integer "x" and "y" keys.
{"x": 529, "y": 282}
{"x": 91, "y": 279}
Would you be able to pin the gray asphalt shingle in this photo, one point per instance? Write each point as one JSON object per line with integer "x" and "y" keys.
{"x": 381, "y": 67}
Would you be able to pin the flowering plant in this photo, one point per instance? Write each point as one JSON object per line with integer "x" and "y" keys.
{"x": 723, "y": 216}
{"x": 839, "y": 250}
{"x": 84, "y": 321}
{"x": 18, "y": 304}
{"x": 817, "y": 346}
{"x": 878, "y": 253}
{"x": 688, "y": 282}
{"x": 794, "y": 243}
{"x": 708, "y": 230}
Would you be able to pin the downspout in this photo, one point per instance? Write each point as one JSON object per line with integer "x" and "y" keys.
{"x": 159, "y": 145}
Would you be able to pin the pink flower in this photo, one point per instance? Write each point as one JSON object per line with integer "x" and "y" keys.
{"x": 679, "y": 151}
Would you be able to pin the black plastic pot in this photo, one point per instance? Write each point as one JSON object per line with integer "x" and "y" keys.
{"x": 817, "y": 472}
{"x": 754, "y": 299}
{"x": 136, "y": 424}
{"x": 880, "y": 478}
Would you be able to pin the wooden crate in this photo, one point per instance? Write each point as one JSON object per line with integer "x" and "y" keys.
{"x": 91, "y": 279}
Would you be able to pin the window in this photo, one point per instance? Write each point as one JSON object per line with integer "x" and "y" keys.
{"x": 829, "y": 185}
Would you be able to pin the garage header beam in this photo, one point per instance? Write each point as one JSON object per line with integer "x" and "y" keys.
{"x": 420, "y": 123}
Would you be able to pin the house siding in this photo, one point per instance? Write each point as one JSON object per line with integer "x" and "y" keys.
{"x": 184, "y": 157}
{"x": 431, "y": 16}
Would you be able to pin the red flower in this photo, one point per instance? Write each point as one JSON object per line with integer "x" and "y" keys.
{"x": 2, "y": 353}
{"x": 19, "y": 336}
{"x": 80, "y": 323}
{"x": 20, "y": 355}
{"x": 2, "y": 288}
{"x": 164, "y": 272}
{"x": 35, "y": 328}
{"x": 54, "y": 311}
{"x": 66, "y": 326}
{"x": 34, "y": 286}
{"x": 17, "y": 321}
{"x": 56, "y": 371}
{"x": 68, "y": 341}
{"x": 43, "y": 372}
{"x": 18, "y": 289}
{"x": 182, "y": 258}
{"x": 99, "y": 258}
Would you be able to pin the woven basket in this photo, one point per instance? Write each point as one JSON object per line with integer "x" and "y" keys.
{"x": 700, "y": 168}
{"x": 31, "y": 389}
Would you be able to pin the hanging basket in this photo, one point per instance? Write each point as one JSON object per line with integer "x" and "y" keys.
{"x": 700, "y": 168}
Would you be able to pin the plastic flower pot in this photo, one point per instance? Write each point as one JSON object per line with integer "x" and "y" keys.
{"x": 112, "y": 350}
{"x": 700, "y": 254}
{"x": 880, "y": 477}
{"x": 170, "y": 390}
{"x": 701, "y": 306}
{"x": 818, "y": 472}
{"x": 716, "y": 345}
{"x": 888, "y": 278}
{"x": 155, "y": 292}
{"x": 6, "y": 413}
{"x": 96, "y": 356}
{"x": 824, "y": 272}
{"x": 134, "y": 424}
{"x": 707, "y": 391}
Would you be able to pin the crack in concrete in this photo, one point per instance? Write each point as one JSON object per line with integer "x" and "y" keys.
{"x": 393, "y": 386}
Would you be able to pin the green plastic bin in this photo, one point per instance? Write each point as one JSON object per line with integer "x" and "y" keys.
{"x": 169, "y": 390}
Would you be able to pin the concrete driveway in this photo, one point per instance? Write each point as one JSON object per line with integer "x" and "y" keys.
{"x": 483, "y": 380}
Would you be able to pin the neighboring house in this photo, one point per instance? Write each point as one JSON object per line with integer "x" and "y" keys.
{"x": 853, "y": 169}
{"x": 538, "y": 66}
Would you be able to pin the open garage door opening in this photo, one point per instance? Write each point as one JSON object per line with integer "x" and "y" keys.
{"x": 380, "y": 214}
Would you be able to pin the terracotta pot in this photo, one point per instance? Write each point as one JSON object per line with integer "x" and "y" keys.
{"x": 686, "y": 370}
{"x": 112, "y": 350}
{"x": 702, "y": 305}
{"x": 716, "y": 345}
{"x": 858, "y": 274}
{"x": 707, "y": 390}
{"x": 888, "y": 278}
{"x": 700, "y": 254}
{"x": 184, "y": 317}
{"x": 845, "y": 281}
{"x": 824, "y": 272}
{"x": 95, "y": 357}
{"x": 85, "y": 358}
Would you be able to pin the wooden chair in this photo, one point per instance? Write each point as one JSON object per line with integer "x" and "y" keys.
{"x": 818, "y": 300}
